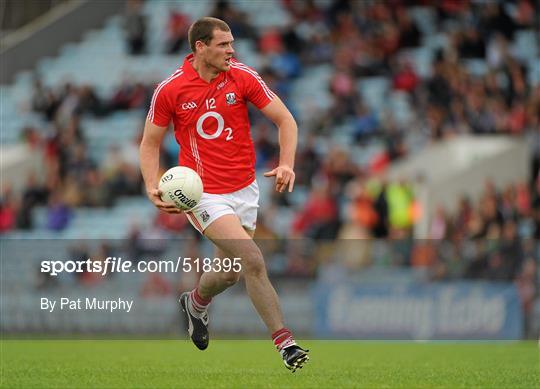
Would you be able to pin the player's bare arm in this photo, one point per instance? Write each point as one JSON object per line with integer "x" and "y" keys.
{"x": 149, "y": 161}
{"x": 278, "y": 113}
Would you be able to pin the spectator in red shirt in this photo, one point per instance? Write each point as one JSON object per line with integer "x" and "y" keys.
{"x": 319, "y": 210}
{"x": 7, "y": 215}
{"x": 177, "y": 29}
{"x": 405, "y": 79}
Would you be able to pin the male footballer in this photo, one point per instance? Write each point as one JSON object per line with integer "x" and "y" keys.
{"x": 206, "y": 99}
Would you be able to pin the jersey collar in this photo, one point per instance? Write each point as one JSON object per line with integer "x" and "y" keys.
{"x": 192, "y": 74}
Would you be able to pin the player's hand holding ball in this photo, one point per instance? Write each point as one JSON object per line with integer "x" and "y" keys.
{"x": 180, "y": 189}
{"x": 155, "y": 197}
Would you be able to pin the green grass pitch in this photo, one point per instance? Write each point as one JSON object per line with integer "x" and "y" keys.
{"x": 255, "y": 364}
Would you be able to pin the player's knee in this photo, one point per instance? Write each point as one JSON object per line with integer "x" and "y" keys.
{"x": 230, "y": 278}
{"x": 253, "y": 263}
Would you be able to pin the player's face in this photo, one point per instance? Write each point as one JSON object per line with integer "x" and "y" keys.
{"x": 219, "y": 51}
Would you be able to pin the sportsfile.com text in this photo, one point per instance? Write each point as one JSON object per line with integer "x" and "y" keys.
{"x": 119, "y": 265}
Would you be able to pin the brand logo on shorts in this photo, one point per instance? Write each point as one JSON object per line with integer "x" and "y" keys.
{"x": 205, "y": 216}
{"x": 230, "y": 98}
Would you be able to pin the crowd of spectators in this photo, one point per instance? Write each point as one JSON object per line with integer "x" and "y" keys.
{"x": 72, "y": 178}
{"x": 372, "y": 38}
{"x": 344, "y": 199}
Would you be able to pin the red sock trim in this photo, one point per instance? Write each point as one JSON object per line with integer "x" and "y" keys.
{"x": 283, "y": 338}
{"x": 279, "y": 332}
{"x": 282, "y": 331}
{"x": 198, "y": 299}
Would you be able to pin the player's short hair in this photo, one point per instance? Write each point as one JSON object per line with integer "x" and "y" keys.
{"x": 203, "y": 30}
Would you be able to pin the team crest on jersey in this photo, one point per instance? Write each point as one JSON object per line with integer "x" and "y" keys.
{"x": 230, "y": 98}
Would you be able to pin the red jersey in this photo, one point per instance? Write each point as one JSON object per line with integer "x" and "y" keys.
{"x": 211, "y": 122}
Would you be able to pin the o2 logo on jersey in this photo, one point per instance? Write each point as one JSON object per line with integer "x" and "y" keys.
{"x": 220, "y": 126}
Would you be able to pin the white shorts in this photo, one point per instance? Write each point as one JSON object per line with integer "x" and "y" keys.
{"x": 242, "y": 203}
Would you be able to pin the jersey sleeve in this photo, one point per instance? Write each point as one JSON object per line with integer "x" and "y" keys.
{"x": 255, "y": 89}
{"x": 162, "y": 106}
